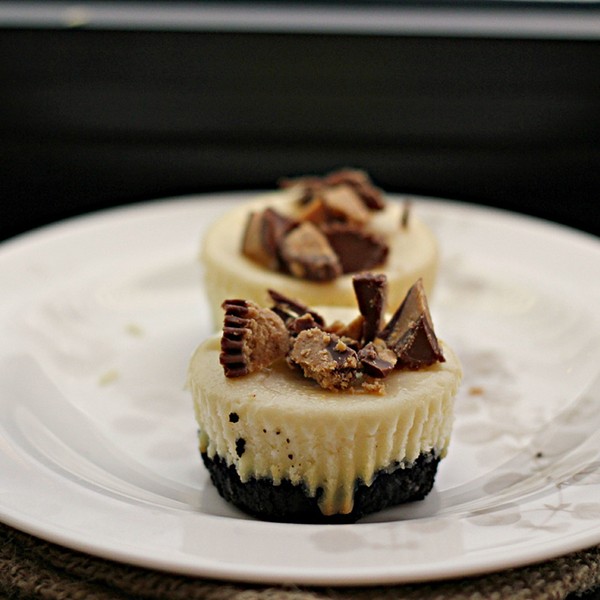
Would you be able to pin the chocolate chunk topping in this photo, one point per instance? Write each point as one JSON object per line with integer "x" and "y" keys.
{"x": 308, "y": 255}
{"x": 352, "y": 330}
{"x": 335, "y": 356}
{"x": 357, "y": 250}
{"x": 263, "y": 235}
{"x": 306, "y": 321}
{"x": 310, "y": 185}
{"x": 327, "y": 235}
{"x": 342, "y": 203}
{"x": 252, "y": 242}
{"x": 325, "y": 358}
{"x": 289, "y": 308}
{"x": 371, "y": 294}
{"x": 358, "y": 180}
{"x": 410, "y": 334}
{"x": 275, "y": 227}
{"x": 233, "y": 417}
{"x": 315, "y": 211}
{"x": 253, "y": 338}
{"x": 406, "y": 210}
{"x": 377, "y": 359}
{"x": 362, "y": 185}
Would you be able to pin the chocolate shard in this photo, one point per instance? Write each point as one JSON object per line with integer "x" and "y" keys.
{"x": 325, "y": 358}
{"x": 308, "y": 255}
{"x": 357, "y": 250}
{"x": 298, "y": 324}
{"x": 275, "y": 227}
{"x": 376, "y": 359}
{"x": 405, "y": 216}
{"x": 410, "y": 333}
{"x": 371, "y": 295}
{"x": 263, "y": 234}
{"x": 252, "y": 338}
{"x": 362, "y": 185}
{"x": 289, "y": 308}
{"x": 252, "y": 242}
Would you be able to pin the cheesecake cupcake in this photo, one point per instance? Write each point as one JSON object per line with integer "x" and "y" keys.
{"x": 307, "y": 239}
{"x": 308, "y": 419}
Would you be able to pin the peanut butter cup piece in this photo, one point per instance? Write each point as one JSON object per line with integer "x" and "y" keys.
{"x": 362, "y": 185}
{"x": 263, "y": 234}
{"x": 302, "y": 181}
{"x": 410, "y": 333}
{"x": 298, "y": 324}
{"x": 325, "y": 358}
{"x": 357, "y": 249}
{"x": 308, "y": 255}
{"x": 253, "y": 338}
{"x": 352, "y": 330}
{"x": 342, "y": 203}
{"x": 358, "y": 180}
{"x": 376, "y": 359}
{"x": 252, "y": 242}
{"x": 290, "y": 308}
{"x": 310, "y": 186}
{"x": 371, "y": 294}
{"x": 314, "y": 211}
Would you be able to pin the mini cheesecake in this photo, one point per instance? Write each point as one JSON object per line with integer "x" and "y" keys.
{"x": 304, "y": 421}
{"x": 308, "y": 239}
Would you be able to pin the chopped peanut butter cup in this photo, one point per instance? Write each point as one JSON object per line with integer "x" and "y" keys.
{"x": 338, "y": 356}
{"x": 325, "y": 358}
{"x": 410, "y": 334}
{"x": 306, "y": 321}
{"x": 371, "y": 292}
{"x": 315, "y": 211}
{"x": 263, "y": 234}
{"x": 377, "y": 359}
{"x": 362, "y": 185}
{"x": 353, "y": 330}
{"x": 357, "y": 249}
{"x": 308, "y": 255}
{"x": 342, "y": 203}
{"x": 289, "y": 308}
{"x": 328, "y": 235}
{"x": 252, "y": 339}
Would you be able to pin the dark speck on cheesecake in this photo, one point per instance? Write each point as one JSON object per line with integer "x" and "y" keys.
{"x": 240, "y": 447}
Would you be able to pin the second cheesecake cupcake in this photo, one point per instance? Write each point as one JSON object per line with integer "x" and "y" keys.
{"x": 310, "y": 237}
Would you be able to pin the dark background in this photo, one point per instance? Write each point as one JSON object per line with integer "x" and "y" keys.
{"x": 93, "y": 118}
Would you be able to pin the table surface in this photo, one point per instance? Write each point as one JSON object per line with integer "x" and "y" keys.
{"x": 34, "y": 568}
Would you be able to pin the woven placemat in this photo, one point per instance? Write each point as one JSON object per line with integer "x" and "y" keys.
{"x": 32, "y": 568}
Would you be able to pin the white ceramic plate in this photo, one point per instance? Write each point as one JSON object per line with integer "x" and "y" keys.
{"x": 99, "y": 316}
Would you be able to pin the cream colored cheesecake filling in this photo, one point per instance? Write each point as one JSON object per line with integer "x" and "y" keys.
{"x": 413, "y": 253}
{"x": 293, "y": 429}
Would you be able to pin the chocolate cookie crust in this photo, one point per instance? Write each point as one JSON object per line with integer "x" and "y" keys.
{"x": 291, "y": 503}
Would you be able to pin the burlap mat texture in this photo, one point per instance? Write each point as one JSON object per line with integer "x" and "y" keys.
{"x": 32, "y": 568}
